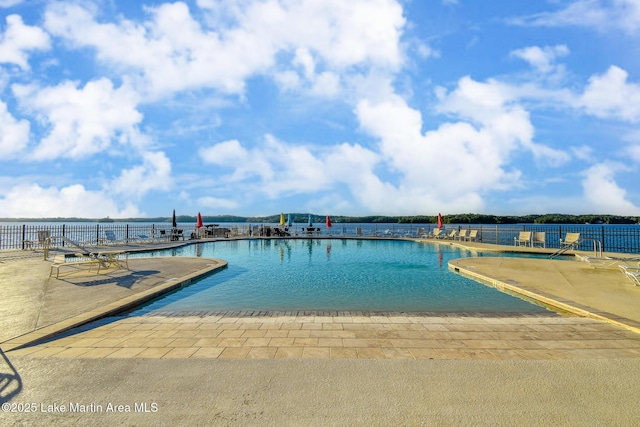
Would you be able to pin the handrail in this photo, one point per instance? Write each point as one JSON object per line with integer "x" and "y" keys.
{"x": 597, "y": 248}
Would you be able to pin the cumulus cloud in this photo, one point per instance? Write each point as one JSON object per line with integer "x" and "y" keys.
{"x": 541, "y": 58}
{"x": 34, "y": 201}
{"x": 280, "y": 168}
{"x": 9, "y": 3}
{"x": 634, "y": 152}
{"x": 18, "y": 39}
{"x": 153, "y": 174}
{"x": 335, "y": 35}
{"x": 217, "y": 203}
{"x": 495, "y": 107}
{"x": 599, "y": 14}
{"x": 277, "y": 169}
{"x": 603, "y": 194}
{"x": 14, "y": 134}
{"x": 610, "y": 96}
{"x": 80, "y": 121}
{"x": 452, "y": 166}
{"x": 459, "y": 162}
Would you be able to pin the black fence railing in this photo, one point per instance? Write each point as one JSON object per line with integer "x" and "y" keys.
{"x": 611, "y": 238}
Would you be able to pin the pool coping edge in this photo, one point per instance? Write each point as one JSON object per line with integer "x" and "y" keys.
{"x": 110, "y": 309}
{"x": 546, "y": 299}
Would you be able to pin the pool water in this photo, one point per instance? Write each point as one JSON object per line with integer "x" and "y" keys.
{"x": 333, "y": 274}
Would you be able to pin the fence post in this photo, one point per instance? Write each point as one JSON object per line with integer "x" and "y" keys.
{"x": 560, "y": 233}
{"x": 127, "y": 234}
{"x": 24, "y": 229}
{"x": 97, "y": 234}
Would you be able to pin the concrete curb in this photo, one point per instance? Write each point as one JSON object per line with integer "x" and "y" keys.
{"x": 553, "y": 302}
{"x": 114, "y": 308}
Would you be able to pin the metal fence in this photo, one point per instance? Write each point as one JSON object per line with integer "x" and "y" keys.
{"x": 612, "y": 238}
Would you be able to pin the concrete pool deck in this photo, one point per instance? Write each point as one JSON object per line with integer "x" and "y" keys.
{"x": 263, "y": 368}
{"x": 36, "y": 307}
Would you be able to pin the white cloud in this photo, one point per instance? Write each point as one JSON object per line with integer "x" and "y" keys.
{"x": 18, "y": 39}
{"x": 34, "y": 201}
{"x": 10, "y": 3}
{"x": 541, "y": 58}
{"x": 282, "y": 169}
{"x": 611, "y": 96}
{"x": 634, "y": 152}
{"x": 599, "y": 14}
{"x": 14, "y": 134}
{"x": 81, "y": 121}
{"x": 217, "y": 203}
{"x": 494, "y": 106}
{"x": 603, "y": 194}
{"x": 276, "y": 169}
{"x": 153, "y": 174}
{"x": 454, "y": 165}
{"x": 334, "y": 34}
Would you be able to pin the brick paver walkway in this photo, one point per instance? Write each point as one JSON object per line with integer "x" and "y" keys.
{"x": 344, "y": 335}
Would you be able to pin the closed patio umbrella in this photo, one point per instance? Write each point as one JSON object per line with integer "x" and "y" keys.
{"x": 440, "y": 221}
{"x": 174, "y": 223}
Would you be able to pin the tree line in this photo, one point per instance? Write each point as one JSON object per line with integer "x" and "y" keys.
{"x": 303, "y": 218}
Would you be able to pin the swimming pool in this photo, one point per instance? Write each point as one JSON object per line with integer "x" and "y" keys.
{"x": 333, "y": 274}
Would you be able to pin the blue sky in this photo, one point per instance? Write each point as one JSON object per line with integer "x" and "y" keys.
{"x": 366, "y": 107}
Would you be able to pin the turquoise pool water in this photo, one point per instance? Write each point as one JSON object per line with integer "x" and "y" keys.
{"x": 336, "y": 274}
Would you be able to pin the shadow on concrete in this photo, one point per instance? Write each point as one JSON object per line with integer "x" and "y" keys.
{"x": 10, "y": 382}
{"x": 128, "y": 280}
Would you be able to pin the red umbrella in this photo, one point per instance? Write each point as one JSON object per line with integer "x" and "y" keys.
{"x": 199, "y": 222}
{"x": 439, "y": 221}
{"x": 328, "y": 222}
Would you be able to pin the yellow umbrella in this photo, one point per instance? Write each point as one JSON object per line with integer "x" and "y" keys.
{"x": 281, "y": 218}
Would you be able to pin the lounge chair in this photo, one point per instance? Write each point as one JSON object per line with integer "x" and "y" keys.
{"x": 452, "y": 235}
{"x": 462, "y": 235}
{"x": 60, "y": 261}
{"x": 539, "y": 238}
{"x": 143, "y": 238}
{"x": 473, "y": 235}
{"x": 631, "y": 273}
{"x": 111, "y": 237}
{"x": 571, "y": 241}
{"x": 610, "y": 261}
{"x": 43, "y": 240}
{"x": 523, "y": 239}
{"x": 436, "y": 234}
{"x": 177, "y": 234}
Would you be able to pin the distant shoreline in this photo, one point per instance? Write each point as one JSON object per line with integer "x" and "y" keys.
{"x": 415, "y": 219}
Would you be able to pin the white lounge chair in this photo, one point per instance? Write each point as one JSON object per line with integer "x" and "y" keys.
{"x": 523, "y": 239}
{"x": 436, "y": 234}
{"x": 631, "y": 273}
{"x": 539, "y": 238}
{"x": 571, "y": 240}
{"x": 610, "y": 261}
{"x": 462, "y": 235}
{"x": 473, "y": 235}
